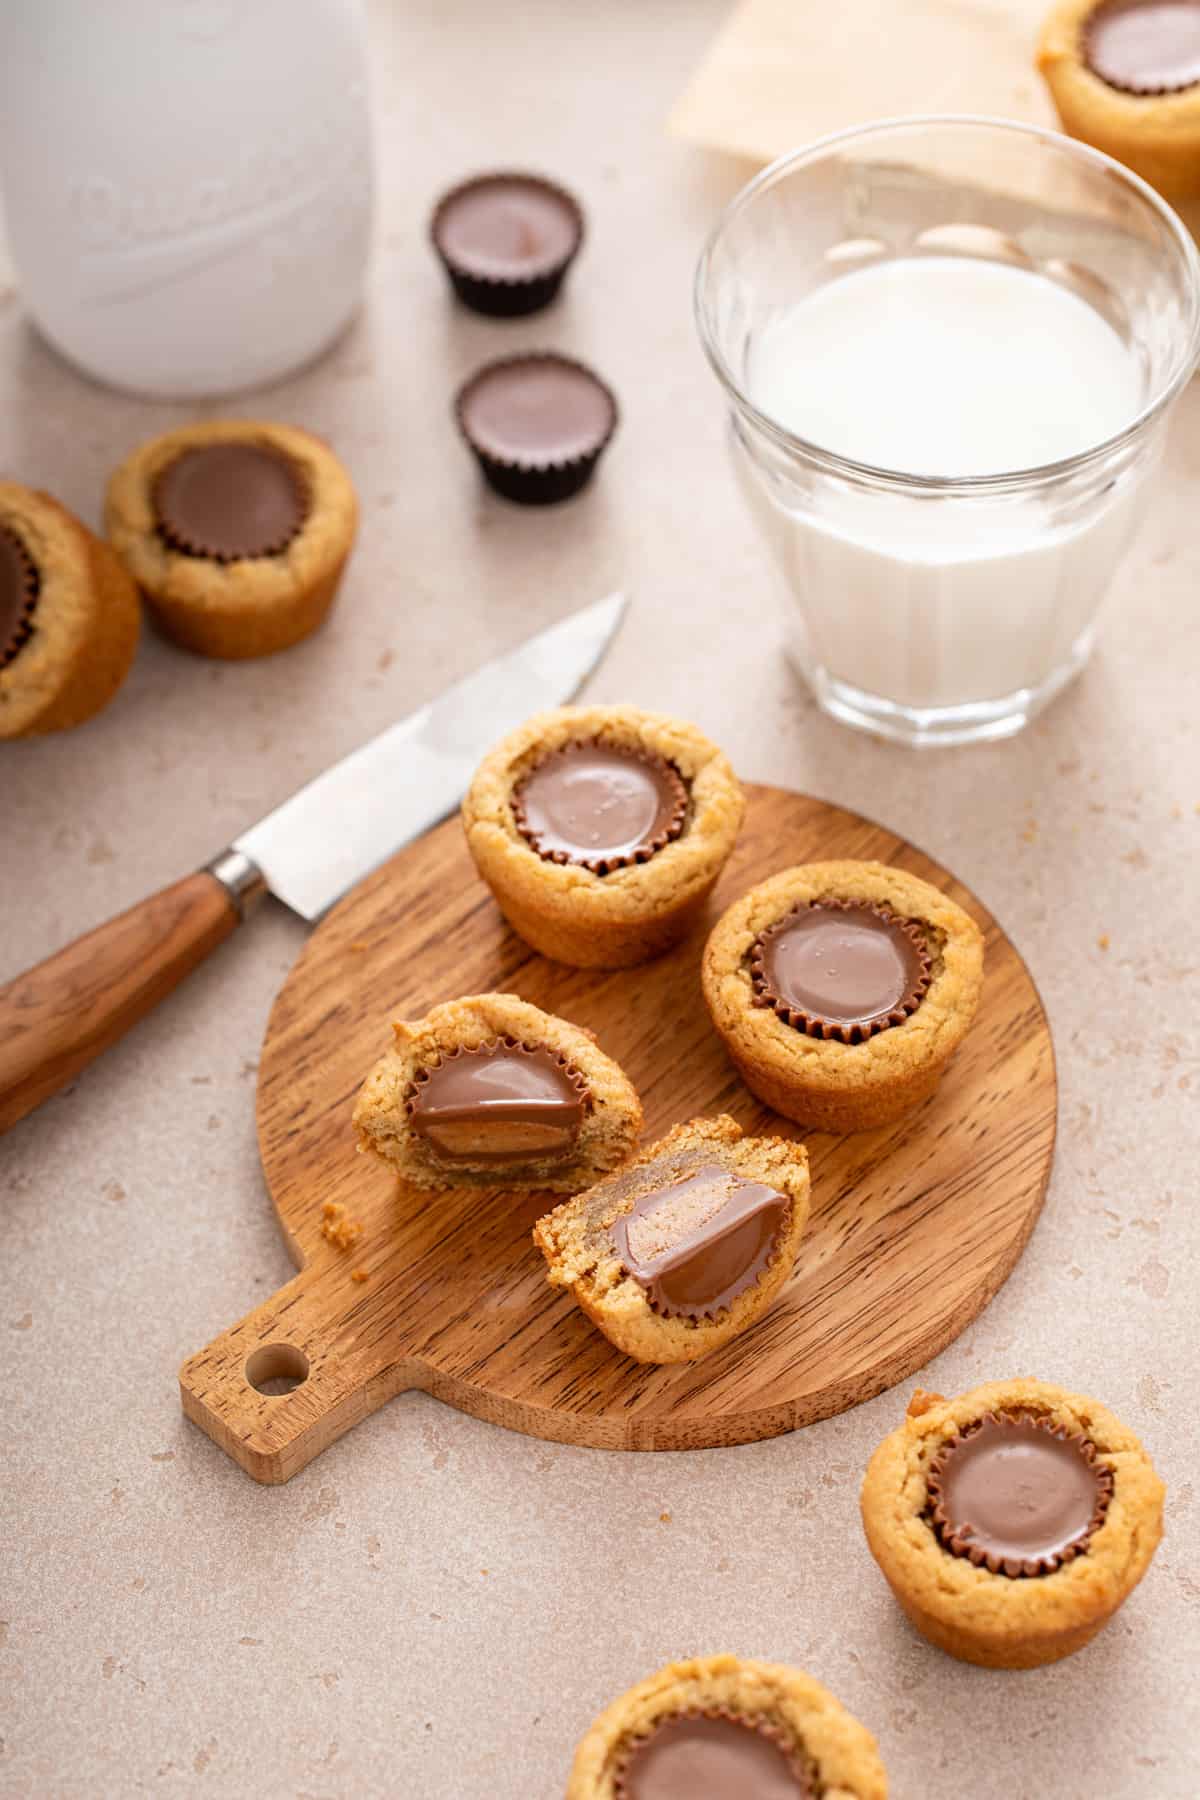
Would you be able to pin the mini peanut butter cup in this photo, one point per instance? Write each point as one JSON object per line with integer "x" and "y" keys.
{"x": 537, "y": 424}
{"x": 498, "y": 1102}
{"x": 19, "y": 588}
{"x": 696, "y": 1244}
{"x": 714, "y": 1752}
{"x": 230, "y": 502}
{"x": 1018, "y": 1494}
{"x": 842, "y": 969}
{"x": 506, "y": 240}
{"x": 600, "y": 806}
{"x": 1144, "y": 47}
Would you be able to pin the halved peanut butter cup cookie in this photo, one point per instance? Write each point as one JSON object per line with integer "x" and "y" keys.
{"x": 491, "y": 1089}
{"x": 686, "y": 1246}
{"x": 236, "y": 532}
{"x": 1012, "y": 1521}
{"x": 601, "y": 831}
{"x": 842, "y": 989}
{"x": 727, "y": 1728}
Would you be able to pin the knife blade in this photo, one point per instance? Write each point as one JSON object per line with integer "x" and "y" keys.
{"x": 317, "y": 845}
{"x": 58, "y": 1017}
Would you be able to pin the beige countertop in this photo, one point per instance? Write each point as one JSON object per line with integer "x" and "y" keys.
{"x": 436, "y": 1608}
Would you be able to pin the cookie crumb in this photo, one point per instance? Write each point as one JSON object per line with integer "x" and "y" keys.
{"x": 360, "y": 1275}
{"x": 1103, "y": 940}
{"x": 337, "y": 1227}
{"x": 664, "y": 1518}
{"x": 923, "y": 1399}
{"x": 359, "y": 944}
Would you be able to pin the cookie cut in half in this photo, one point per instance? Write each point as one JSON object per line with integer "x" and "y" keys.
{"x": 842, "y": 989}
{"x": 236, "y": 532}
{"x": 601, "y": 831}
{"x": 1124, "y": 76}
{"x": 686, "y": 1246}
{"x": 69, "y": 616}
{"x": 1013, "y": 1521}
{"x": 490, "y": 1089}
{"x": 726, "y": 1728}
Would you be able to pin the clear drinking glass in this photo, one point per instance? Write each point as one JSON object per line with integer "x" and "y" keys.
{"x": 944, "y": 609}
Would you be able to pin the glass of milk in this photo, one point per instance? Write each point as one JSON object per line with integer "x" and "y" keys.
{"x": 950, "y": 346}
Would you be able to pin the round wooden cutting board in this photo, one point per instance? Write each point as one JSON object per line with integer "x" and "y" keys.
{"x": 913, "y": 1227}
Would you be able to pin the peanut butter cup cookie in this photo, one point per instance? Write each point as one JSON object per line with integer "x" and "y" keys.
{"x": 1013, "y": 1521}
{"x": 490, "y": 1089}
{"x": 724, "y": 1728}
{"x": 69, "y": 616}
{"x": 686, "y": 1246}
{"x": 1125, "y": 77}
{"x": 236, "y": 532}
{"x": 601, "y": 830}
{"x": 842, "y": 989}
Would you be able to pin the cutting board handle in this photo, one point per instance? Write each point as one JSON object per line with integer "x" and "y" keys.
{"x": 279, "y": 1386}
{"x": 58, "y": 1017}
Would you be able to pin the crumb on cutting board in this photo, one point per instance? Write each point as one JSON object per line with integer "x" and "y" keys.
{"x": 338, "y": 1227}
{"x": 360, "y": 1275}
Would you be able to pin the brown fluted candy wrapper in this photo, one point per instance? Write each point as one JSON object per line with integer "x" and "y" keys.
{"x": 893, "y": 1007}
{"x": 502, "y": 1102}
{"x": 667, "y": 789}
{"x": 506, "y": 241}
{"x": 492, "y": 1047}
{"x": 702, "y": 1240}
{"x": 794, "y": 1761}
{"x": 537, "y": 424}
{"x": 20, "y": 585}
{"x": 1145, "y": 51}
{"x": 230, "y": 502}
{"x": 1086, "y": 1486}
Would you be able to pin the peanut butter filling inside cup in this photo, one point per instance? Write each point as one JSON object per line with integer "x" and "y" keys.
{"x": 600, "y": 806}
{"x": 230, "y": 502}
{"x": 503, "y": 1102}
{"x": 841, "y": 969}
{"x": 696, "y": 1245}
{"x": 713, "y": 1755}
{"x": 1018, "y": 1494}
{"x": 18, "y": 596}
{"x": 1144, "y": 47}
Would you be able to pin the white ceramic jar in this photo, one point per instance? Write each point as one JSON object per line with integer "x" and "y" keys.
{"x": 187, "y": 183}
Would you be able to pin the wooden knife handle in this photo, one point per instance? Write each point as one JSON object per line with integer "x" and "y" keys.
{"x": 57, "y": 1018}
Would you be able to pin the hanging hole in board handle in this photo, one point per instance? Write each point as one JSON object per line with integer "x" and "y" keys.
{"x": 276, "y": 1369}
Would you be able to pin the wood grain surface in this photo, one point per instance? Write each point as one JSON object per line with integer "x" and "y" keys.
{"x": 913, "y": 1229}
{"x": 59, "y": 1016}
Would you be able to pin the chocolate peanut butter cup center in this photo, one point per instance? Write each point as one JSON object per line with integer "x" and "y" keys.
{"x": 507, "y": 227}
{"x": 536, "y": 411}
{"x": 600, "y": 806}
{"x": 697, "y": 1244}
{"x": 841, "y": 969}
{"x": 1144, "y": 46}
{"x": 230, "y": 502}
{"x": 1018, "y": 1494}
{"x": 501, "y": 1102}
{"x": 19, "y": 586}
{"x": 713, "y": 1755}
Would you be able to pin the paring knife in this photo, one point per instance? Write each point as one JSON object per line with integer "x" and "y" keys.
{"x": 308, "y": 853}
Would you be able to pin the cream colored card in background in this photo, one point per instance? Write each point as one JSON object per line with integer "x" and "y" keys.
{"x": 783, "y": 72}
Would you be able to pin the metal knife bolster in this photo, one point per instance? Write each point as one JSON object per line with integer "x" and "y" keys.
{"x": 242, "y": 880}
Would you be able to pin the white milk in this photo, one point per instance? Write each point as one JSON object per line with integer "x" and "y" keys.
{"x": 952, "y": 367}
